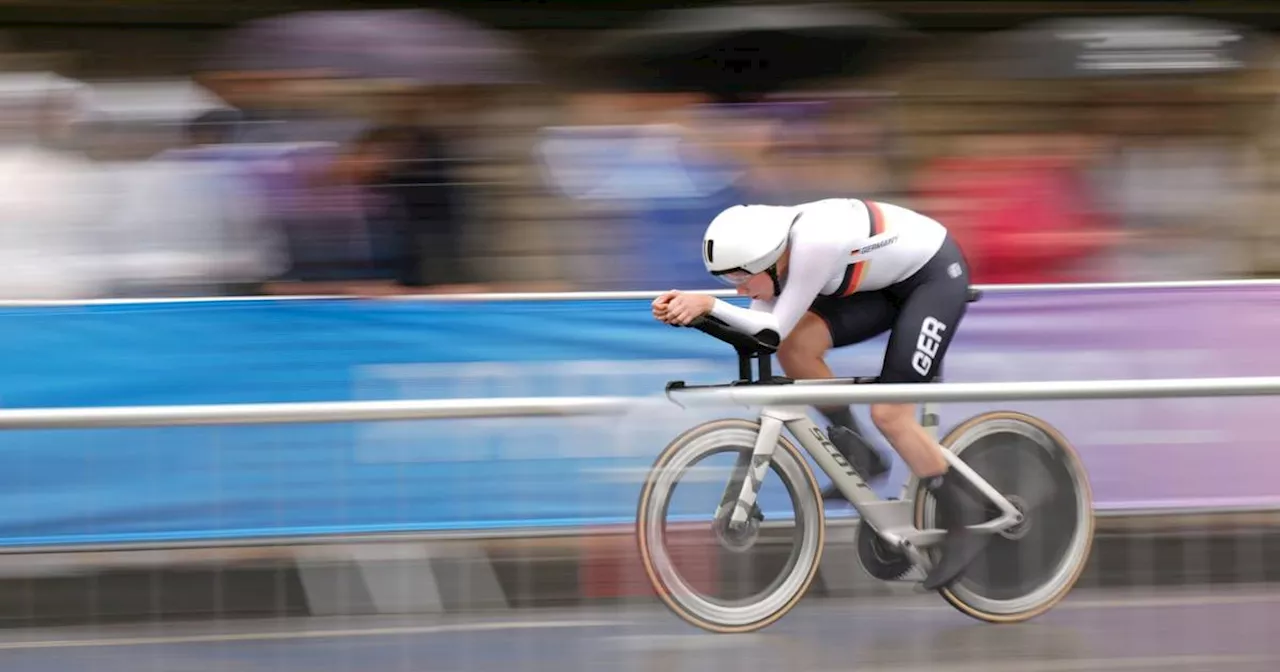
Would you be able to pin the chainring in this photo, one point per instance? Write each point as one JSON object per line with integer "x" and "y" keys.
{"x": 878, "y": 558}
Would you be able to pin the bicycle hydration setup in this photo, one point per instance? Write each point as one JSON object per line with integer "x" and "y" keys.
{"x": 1038, "y": 502}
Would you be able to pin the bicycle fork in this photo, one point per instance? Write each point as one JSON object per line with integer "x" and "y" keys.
{"x": 761, "y": 456}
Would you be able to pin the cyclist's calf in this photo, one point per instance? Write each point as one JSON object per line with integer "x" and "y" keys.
{"x": 893, "y": 419}
{"x": 898, "y": 424}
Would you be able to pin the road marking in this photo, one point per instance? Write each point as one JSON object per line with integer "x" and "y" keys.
{"x": 1189, "y": 601}
{"x": 304, "y": 634}
{"x": 1116, "y": 603}
{"x": 1081, "y": 665}
{"x": 691, "y": 642}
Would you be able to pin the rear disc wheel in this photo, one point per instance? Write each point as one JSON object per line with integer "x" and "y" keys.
{"x": 1029, "y": 568}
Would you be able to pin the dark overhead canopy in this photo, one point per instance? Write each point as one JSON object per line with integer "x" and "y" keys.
{"x": 735, "y": 51}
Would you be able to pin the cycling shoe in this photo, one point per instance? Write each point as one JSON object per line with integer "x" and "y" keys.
{"x": 865, "y": 460}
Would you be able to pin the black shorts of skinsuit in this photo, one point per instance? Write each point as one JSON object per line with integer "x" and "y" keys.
{"x": 922, "y": 311}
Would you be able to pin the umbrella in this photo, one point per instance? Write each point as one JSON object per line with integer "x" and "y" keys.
{"x": 1120, "y": 47}
{"x": 427, "y": 47}
{"x": 735, "y": 50}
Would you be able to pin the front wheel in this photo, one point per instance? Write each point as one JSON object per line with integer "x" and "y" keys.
{"x": 658, "y": 548}
{"x": 1027, "y": 569}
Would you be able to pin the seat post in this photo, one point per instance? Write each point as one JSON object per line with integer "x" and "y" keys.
{"x": 929, "y": 416}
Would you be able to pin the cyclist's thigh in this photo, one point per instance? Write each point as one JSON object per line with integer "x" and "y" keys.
{"x": 924, "y": 329}
{"x": 856, "y": 318}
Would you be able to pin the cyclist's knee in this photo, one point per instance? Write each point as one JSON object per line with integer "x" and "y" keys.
{"x": 798, "y": 353}
{"x": 891, "y": 419}
{"x": 806, "y": 345}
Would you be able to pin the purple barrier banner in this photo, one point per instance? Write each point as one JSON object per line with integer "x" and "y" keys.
{"x": 1209, "y": 452}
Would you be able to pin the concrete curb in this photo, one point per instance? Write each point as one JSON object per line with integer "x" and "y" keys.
{"x": 422, "y": 576}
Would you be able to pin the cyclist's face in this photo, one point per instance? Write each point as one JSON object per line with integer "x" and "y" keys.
{"x": 759, "y": 287}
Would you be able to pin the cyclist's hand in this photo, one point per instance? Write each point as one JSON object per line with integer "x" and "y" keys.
{"x": 685, "y": 308}
{"x": 662, "y": 303}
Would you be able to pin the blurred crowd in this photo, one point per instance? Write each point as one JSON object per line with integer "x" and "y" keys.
{"x": 302, "y": 178}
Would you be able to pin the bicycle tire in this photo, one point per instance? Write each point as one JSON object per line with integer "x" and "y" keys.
{"x": 788, "y": 464}
{"x": 1074, "y": 559}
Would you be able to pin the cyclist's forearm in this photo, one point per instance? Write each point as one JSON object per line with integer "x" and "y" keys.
{"x": 744, "y": 319}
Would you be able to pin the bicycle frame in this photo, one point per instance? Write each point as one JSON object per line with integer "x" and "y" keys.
{"x": 892, "y": 519}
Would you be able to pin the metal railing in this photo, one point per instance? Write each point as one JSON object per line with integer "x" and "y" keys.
{"x": 503, "y": 407}
{"x": 309, "y": 412}
{"x": 809, "y": 395}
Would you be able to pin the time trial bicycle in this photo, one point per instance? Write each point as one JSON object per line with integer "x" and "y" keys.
{"x": 1039, "y": 505}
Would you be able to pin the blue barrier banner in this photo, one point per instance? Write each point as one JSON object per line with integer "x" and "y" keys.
{"x": 198, "y": 483}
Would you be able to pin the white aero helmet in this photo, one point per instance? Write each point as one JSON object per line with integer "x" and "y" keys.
{"x": 746, "y": 239}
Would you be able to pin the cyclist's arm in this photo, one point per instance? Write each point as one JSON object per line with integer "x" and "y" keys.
{"x": 813, "y": 263}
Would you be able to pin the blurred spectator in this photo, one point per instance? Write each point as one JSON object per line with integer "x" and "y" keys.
{"x": 242, "y": 251}
{"x": 665, "y": 163}
{"x": 176, "y": 219}
{"x": 1020, "y": 205}
{"x": 829, "y": 145}
{"x": 49, "y": 200}
{"x": 720, "y": 156}
{"x": 336, "y": 239}
{"x": 418, "y": 187}
{"x": 1179, "y": 187}
{"x": 381, "y": 216}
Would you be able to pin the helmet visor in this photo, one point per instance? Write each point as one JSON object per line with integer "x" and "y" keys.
{"x": 734, "y": 278}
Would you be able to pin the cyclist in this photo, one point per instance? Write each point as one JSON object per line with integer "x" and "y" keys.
{"x": 832, "y": 273}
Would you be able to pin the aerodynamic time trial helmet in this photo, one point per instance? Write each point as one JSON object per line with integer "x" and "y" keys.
{"x": 746, "y": 239}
